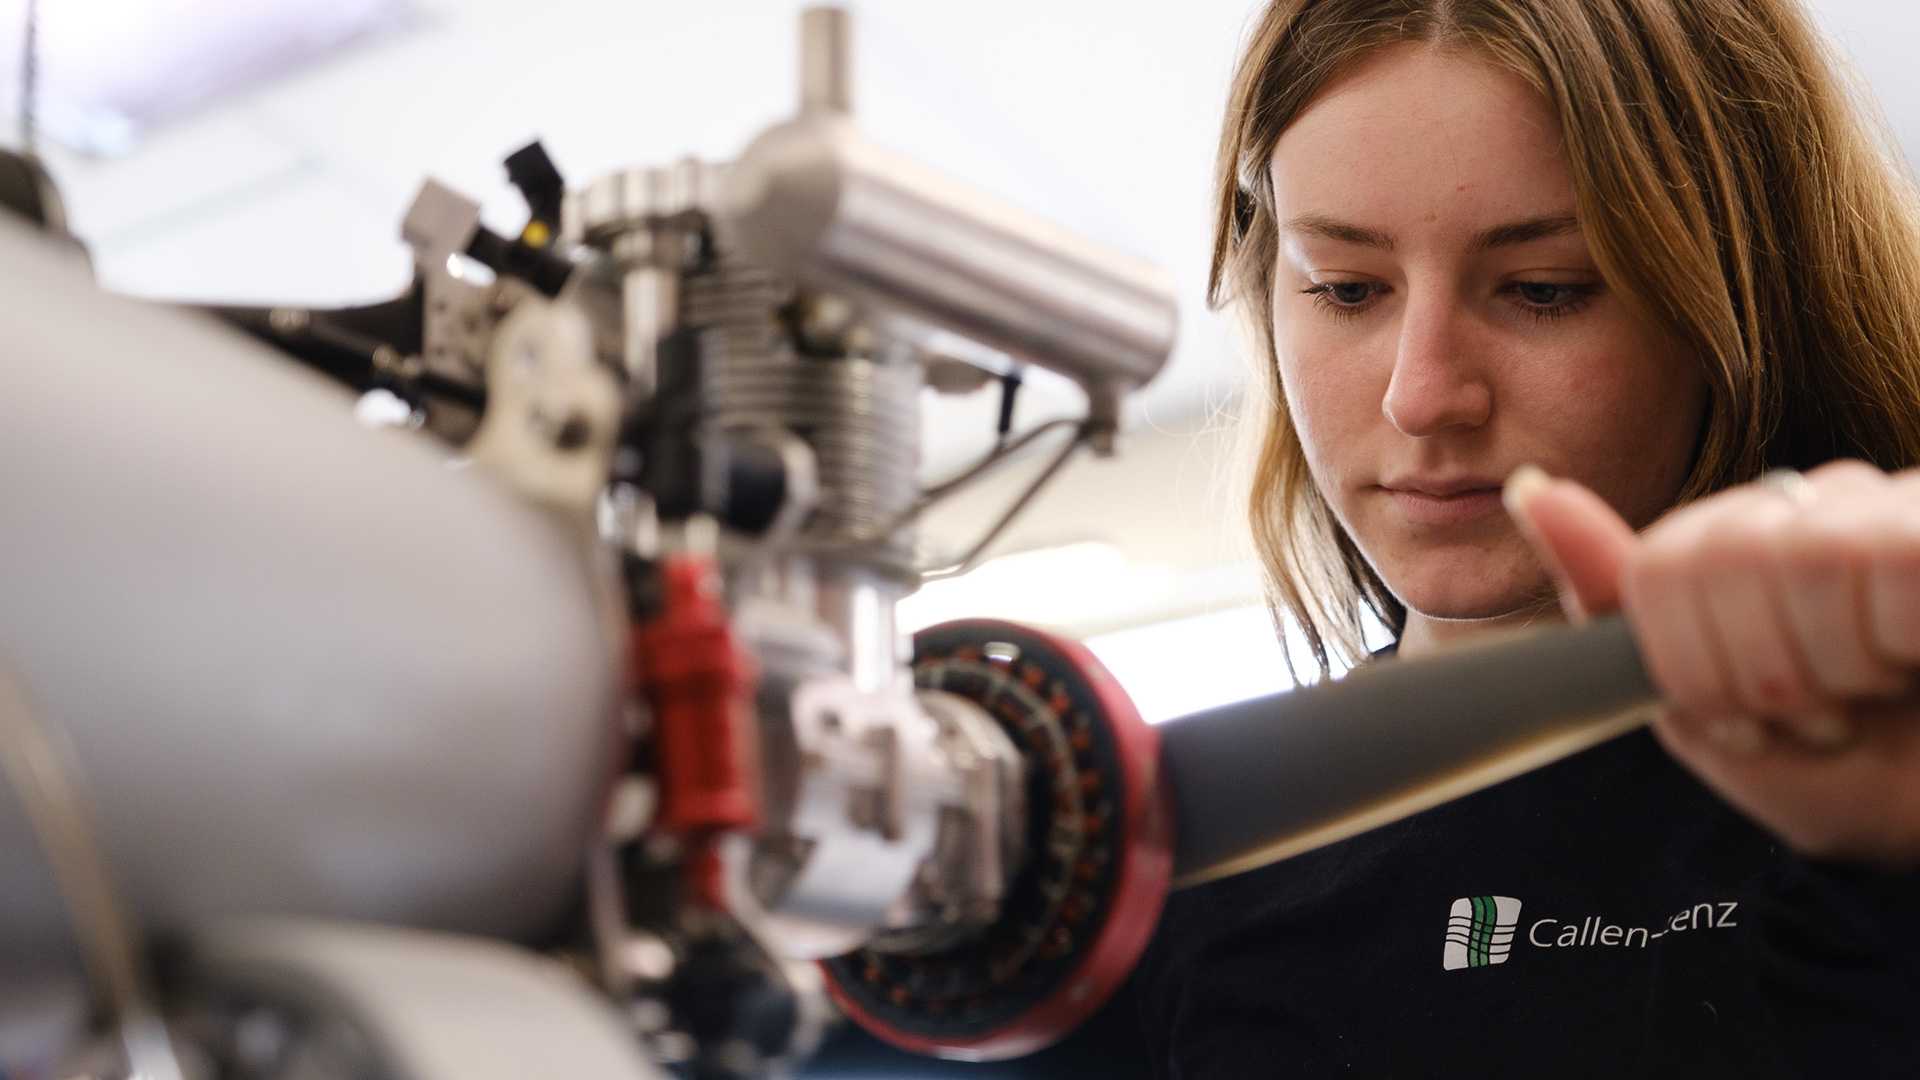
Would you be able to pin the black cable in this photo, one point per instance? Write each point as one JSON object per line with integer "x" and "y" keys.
{"x": 346, "y": 343}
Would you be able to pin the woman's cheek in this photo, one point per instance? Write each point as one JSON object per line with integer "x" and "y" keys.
{"x": 1562, "y": 403}
{"x": 1308, "y": 406}
{"x": 1335, "y": 441}
{"x": 1324, "y": 385}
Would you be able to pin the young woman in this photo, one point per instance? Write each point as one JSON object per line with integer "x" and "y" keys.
{"x": 1619, "y": 258}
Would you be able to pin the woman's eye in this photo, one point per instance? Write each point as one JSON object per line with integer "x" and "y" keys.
{"x": 1541, "y": 294}
{"x": 1344, "y": 297}
{"x": 1547, "y": 300}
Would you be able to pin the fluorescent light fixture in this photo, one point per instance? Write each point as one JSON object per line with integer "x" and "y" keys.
{"x": 109, "y": 70}
{"x": 1183, "y": 666}
{"x": 1171, "y": 667}
{"x": 1084, "y": 583}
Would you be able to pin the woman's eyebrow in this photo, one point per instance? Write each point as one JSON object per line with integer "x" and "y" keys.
{"x": 1343, "y": 231}
{"x": 1505, "y": 235}
{"x": 1521, "y": 232}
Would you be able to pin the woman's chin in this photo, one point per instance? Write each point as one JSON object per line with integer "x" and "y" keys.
{"x": 1464, "y": 582}
{"x": 1460, "y": 599}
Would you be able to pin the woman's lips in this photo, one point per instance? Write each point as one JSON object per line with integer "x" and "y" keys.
{"x": 1462, "y": 507}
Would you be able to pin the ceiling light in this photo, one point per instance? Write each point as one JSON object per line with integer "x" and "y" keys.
{"x": 111, "y": 70}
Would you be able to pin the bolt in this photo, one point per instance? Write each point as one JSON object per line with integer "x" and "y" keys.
{"x": 647, "y": 957}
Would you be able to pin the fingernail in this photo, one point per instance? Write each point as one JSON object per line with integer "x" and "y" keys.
{"x": 1522, "y": 485}
{"x": 1824, "y": 729}
{"x": 1737, "y": 735}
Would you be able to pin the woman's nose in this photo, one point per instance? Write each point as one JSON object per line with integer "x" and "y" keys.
{"x": 1437, "y": 384}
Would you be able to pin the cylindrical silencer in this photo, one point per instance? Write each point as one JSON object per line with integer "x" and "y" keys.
{"x": 812, "y": 200}
{"x": 295, "y": 665}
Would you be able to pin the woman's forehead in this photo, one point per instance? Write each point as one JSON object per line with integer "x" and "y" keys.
{"x": 1417, "y": 137}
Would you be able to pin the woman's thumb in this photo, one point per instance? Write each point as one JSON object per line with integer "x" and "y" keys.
{"x": 1577, "y": 536}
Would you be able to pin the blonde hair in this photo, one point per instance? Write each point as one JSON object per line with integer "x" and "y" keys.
{"x": 1728, "y": 189}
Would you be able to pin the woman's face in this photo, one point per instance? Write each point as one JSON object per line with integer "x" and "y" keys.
{"x": 1439, "y": 322}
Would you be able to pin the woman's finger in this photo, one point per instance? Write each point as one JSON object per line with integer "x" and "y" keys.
{"x": 1663, "y": 604}
{"x": 1744, "y": 599}
{"x": 1822, "y": 564}
{"x": 1581, "y": 540}
{"x": 1697, "y": 738}
{"x": 1893, "y": 576}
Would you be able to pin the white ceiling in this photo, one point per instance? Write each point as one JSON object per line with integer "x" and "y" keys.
{"x": 1100, "y": 115}
{"x": 1097, "y": 114}
{"x": 293, "y": 189}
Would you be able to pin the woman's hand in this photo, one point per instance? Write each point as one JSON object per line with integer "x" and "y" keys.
{"x": 1782, "y": 624}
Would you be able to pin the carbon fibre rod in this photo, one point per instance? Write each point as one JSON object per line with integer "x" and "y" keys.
{"x": 1268, "y": 778}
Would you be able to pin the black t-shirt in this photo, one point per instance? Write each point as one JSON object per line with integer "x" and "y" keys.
{"x": 1603, "y": 916}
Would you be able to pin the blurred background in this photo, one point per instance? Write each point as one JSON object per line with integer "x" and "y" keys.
{"x": 248, "y": 151}
{"x": 252, "y": 151}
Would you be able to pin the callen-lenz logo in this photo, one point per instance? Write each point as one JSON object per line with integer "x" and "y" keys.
{"x": 1480, "y": 931}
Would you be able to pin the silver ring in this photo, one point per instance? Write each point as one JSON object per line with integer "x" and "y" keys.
{"x": 1797, "y": 489}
